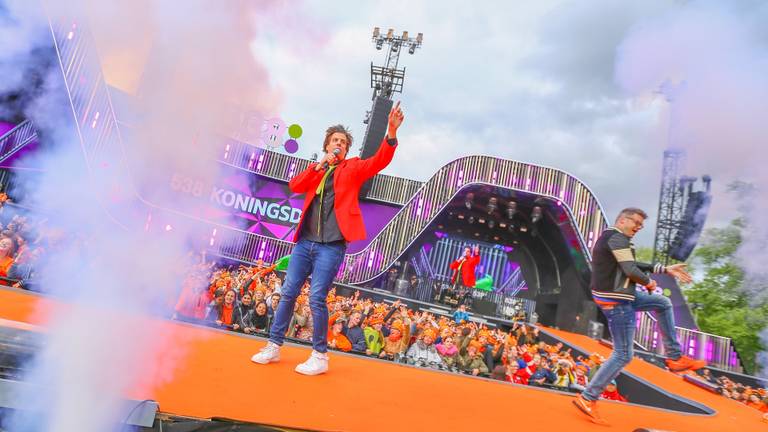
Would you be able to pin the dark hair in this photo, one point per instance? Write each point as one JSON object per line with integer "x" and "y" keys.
{"x": 337, "y": 129}
{"x": 631, "y": 211}
{"x": 256, "y": 306}
{"x": 499, "y": 372}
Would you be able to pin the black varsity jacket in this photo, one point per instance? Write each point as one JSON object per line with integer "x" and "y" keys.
{"x": 614, "y": 269}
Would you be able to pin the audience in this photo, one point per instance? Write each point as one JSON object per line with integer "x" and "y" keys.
{"x": 243, "y": 300}
{"x": 756, "y": 398}
{"x": 23, "y": 242}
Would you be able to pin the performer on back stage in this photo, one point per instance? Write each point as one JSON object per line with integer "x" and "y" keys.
{"x": 331, "y": 219}
{"x": 615, "y": 274}
{"x": 463, "y": 277}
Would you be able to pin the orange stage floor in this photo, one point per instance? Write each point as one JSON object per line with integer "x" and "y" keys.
{"x": 361, "y": 394}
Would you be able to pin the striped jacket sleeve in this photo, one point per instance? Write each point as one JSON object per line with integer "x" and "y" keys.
{"x": 622, "y": 252}
{"x": 652, "y": 268}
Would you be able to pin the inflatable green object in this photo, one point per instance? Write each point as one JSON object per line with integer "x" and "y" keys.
{"x": 282, "y": 263}
{"x": 485, "y": 283}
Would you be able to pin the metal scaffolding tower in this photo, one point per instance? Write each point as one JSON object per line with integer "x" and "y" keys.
{"x": 671, "y": 204}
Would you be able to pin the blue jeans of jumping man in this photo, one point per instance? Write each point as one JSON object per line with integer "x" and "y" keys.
{"x": 622, "y": 322}
{"x": 322, "y": 261}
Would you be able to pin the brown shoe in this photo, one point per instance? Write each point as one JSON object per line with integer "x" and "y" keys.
{"x": 685, "y": 363}
{"x": 590, "y": 409}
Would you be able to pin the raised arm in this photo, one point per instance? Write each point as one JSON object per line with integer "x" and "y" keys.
{"x": 370, "y": 167}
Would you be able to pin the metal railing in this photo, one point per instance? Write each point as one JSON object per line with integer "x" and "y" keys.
{"x": 16, "y": 138}
{"x": 717, "y": 351}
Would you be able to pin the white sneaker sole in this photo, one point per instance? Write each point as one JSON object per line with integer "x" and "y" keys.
{"x": 310, "y": 373}
{"x": 255, "y": 359}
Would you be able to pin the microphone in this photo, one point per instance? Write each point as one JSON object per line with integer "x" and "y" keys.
{"x": 336, "y": 152}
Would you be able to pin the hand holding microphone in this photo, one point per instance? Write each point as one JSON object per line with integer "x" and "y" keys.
{"x": 328, "y": 159}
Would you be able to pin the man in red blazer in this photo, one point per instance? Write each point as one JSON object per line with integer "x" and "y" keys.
{"x": 464, "y": 272}
{"x": 465, "y": 266}
{"x": 331, "y": 218}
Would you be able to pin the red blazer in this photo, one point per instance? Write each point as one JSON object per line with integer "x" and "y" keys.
{"x": 348, "y": 178}
{"x": 467, "y": 270}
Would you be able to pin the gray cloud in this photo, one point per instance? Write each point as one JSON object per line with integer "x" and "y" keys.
{"x": 524, "y": 82}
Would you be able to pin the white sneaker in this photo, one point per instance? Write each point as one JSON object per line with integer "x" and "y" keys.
{"x": 268, "y": 354}
{"x": 315, "y": 365}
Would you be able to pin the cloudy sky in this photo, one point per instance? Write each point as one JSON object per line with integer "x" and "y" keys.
{"x": 529, "y": 81}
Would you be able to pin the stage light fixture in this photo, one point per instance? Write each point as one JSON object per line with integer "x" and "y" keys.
{"x": 379, "y": 43}
{"x": 477, "y": 234}
{"x": 471, "y": 219}
{"x": 412, "y": 48}
{"x": 493, "y": 204}
{"x": 375, "y": 32}
{"x": 536, "y": 214}
{"x": 511, "y": 209}
{"x": 460, "y": 216}
{"x": 419, "y": 38}
{"x": 481, "y": 220}
{"x": 468, "y": 200}
{"x": 491, "y": 223}
{"x": 390, "y": 34}
{"x": 495, "y": 238}
{"x": 502, "y": 225}
{"x": 405, "y": 35}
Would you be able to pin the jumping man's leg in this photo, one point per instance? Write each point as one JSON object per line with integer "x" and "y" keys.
{"x": 661, "y": 306}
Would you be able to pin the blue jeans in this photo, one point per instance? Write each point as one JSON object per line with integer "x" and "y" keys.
{"x": 622, "y": 323}
{"x": 322, "y": 260}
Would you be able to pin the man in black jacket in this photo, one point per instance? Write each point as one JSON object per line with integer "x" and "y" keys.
{"x": 354, "y": 332}
{"x": 615, "y": 275}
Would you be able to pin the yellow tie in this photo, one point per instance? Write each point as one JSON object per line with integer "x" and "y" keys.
{"x": 321, "y": 186}
{"x": 319, "y": 191}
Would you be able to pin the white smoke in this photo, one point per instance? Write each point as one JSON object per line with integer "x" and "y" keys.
{"x": 715, "y": 56}
{"x": 196, "y": 64}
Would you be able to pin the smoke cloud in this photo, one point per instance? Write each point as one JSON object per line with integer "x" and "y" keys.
{"x": 710, "y": 59}
{"x": 191, "y": 73}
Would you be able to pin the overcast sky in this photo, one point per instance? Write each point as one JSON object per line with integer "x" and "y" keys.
{"x": 528, "y": 81}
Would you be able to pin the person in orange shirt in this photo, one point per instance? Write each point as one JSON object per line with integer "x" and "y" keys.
{"x": 7, "y": 248}
{"x": 193, "y": 301}
{"x": 222, "y": 314}
{"x": 336, "y": 338}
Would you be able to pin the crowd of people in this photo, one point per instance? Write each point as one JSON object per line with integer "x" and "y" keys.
{"x": 244, "y": 300}
{"x": 22, "y": 243}
{"x": 756, "y": 398}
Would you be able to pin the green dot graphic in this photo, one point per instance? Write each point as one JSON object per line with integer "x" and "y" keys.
{"x": 295, "y": 131}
